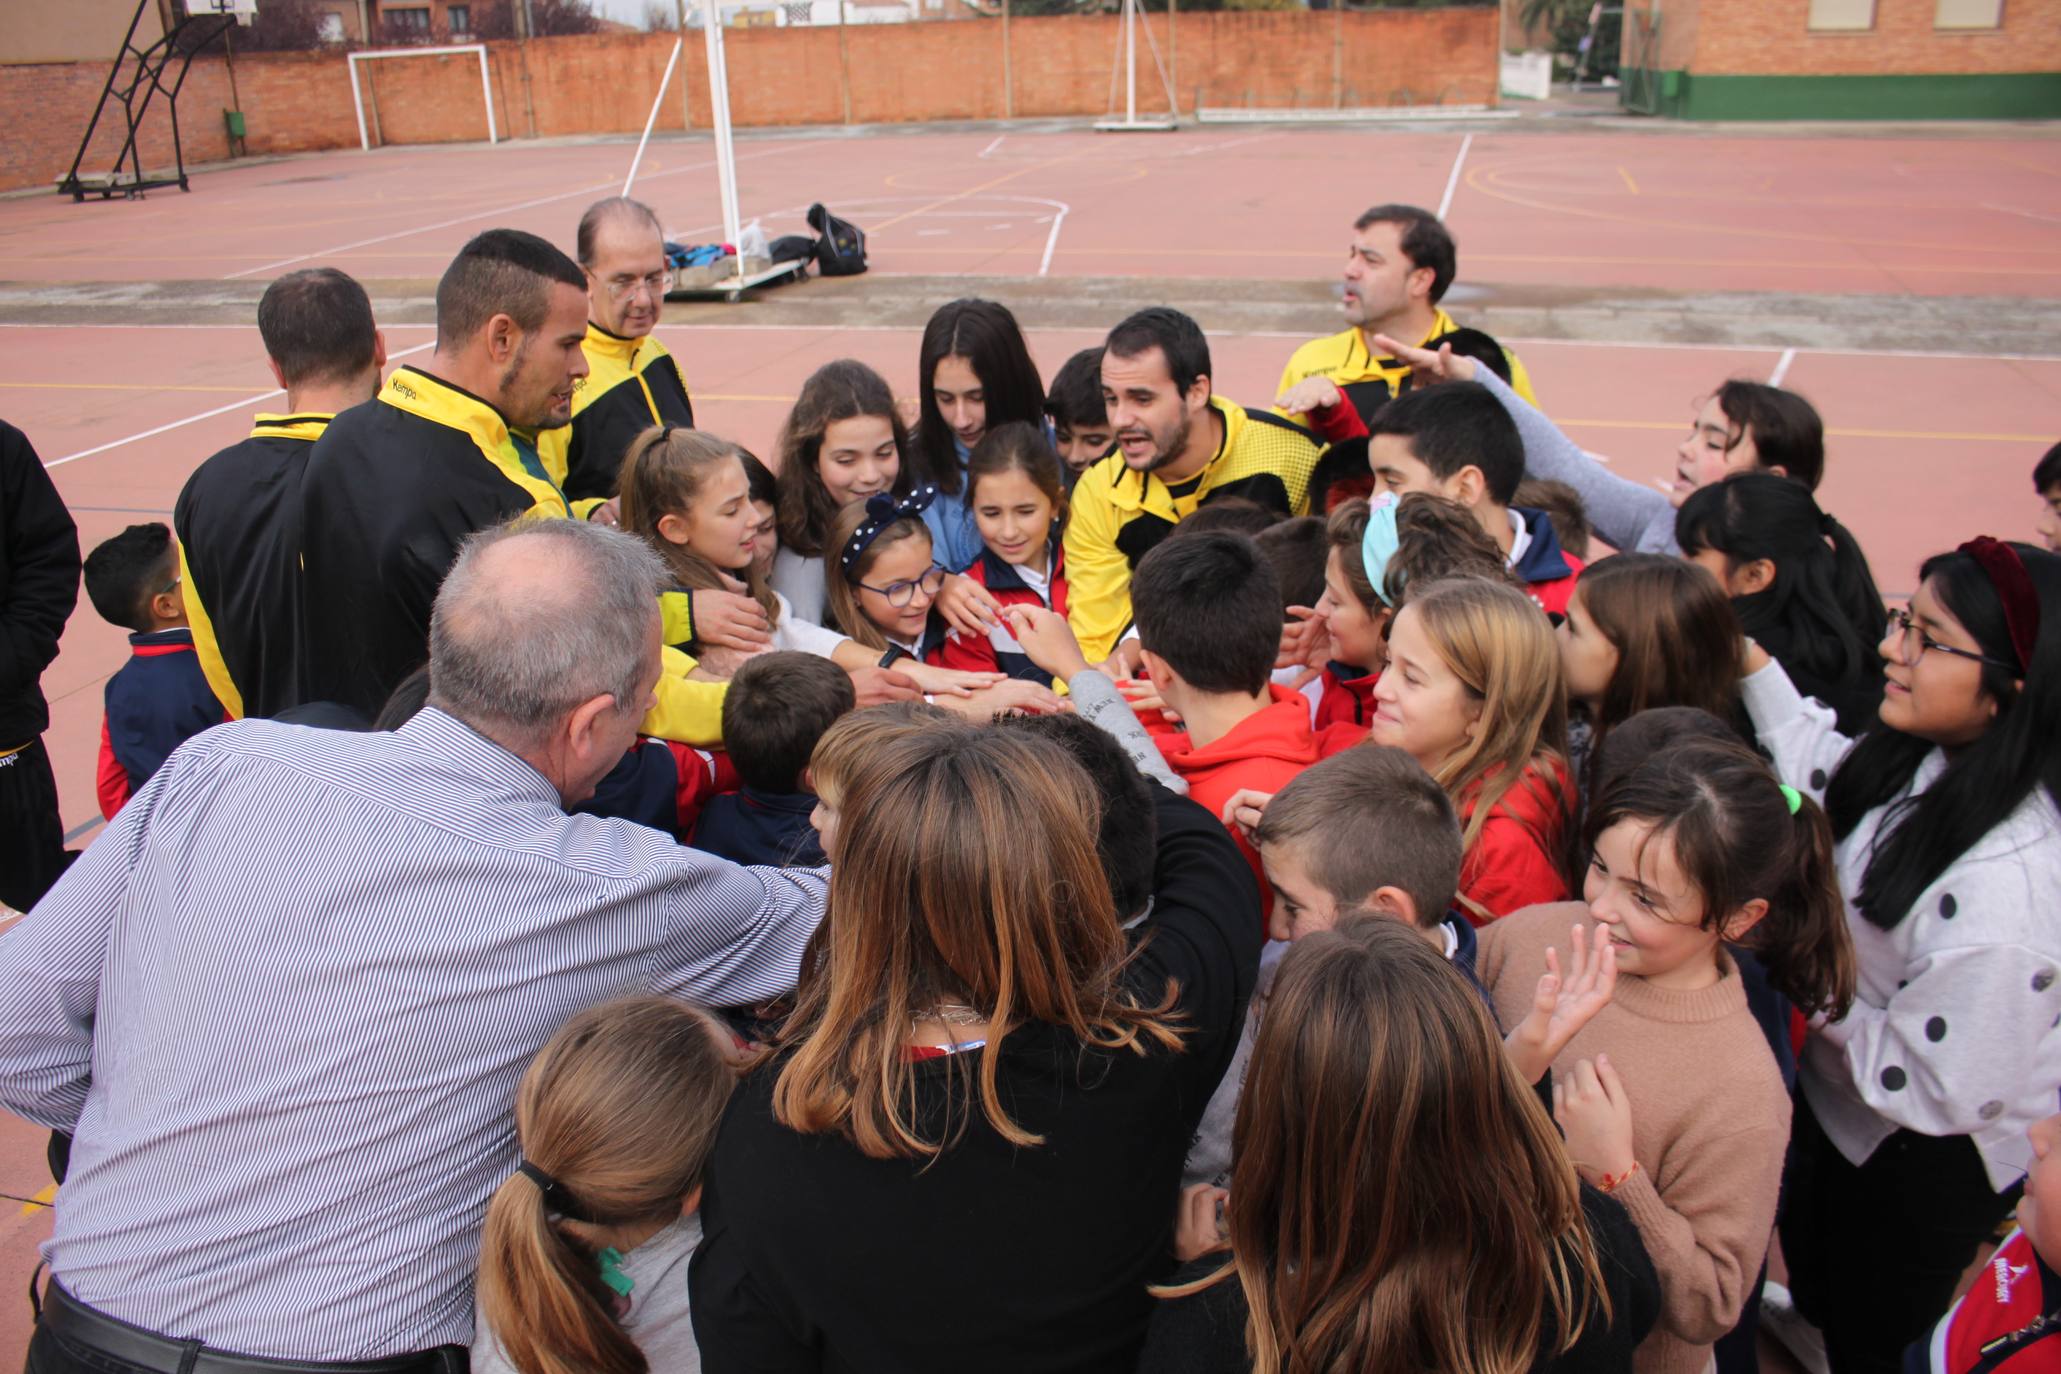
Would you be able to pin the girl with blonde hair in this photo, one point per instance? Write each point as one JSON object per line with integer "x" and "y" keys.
{"x": 961, "y": 1150}
{"x": 583, "y": 1259}
{"x": 1473, "y": 692}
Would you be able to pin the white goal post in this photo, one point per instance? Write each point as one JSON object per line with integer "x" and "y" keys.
{"x": 485, "y": 86}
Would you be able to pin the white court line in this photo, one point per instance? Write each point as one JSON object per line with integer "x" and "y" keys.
{"x": 588, "y": 189}
{"x": 204, "y": 415}
{"x": 1529, "y": 341}
{"x": 1445, "y": 202}
{"x": 1052, "y": 240}
{"x": 992, "y": 146}
{"x": 2029, "y": 214}
{"x": 1782, "y": 367}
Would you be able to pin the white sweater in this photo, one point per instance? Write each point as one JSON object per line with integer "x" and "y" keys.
{"x": 1957, "y": 1026}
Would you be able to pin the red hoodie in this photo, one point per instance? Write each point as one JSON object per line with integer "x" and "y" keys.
{"x": 1515, "y": 861}
{"x": 1261, "y": 752}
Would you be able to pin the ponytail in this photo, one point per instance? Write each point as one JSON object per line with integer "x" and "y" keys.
{"x": 619, "y": 1110}
{"x": 1739, "y": 835}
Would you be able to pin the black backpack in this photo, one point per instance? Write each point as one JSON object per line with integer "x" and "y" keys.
{"x": 841, "y": 249}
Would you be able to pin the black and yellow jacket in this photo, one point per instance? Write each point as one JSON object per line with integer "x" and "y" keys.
{"x": 1116, "y": 516}
{"x": 631, "y": 385}
{"x": 239, "y": 524}
{"x": 1368, "y": 381}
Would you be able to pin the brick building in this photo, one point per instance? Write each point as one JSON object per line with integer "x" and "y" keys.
{"x": 1844, "y": 59}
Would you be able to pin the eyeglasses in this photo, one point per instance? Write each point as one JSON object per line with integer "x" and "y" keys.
{"x": 653, "y": 285}
{"x": 900, "y": 594}
{"x": 173, "y": 585}
{"x": 1913, "y": 643}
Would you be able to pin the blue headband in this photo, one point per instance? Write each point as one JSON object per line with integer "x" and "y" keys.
{"x": 883, "y": 510}
{"x": 1378, "y": 544}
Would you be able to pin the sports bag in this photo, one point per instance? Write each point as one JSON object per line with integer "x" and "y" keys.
{"x": 841, "y": 247}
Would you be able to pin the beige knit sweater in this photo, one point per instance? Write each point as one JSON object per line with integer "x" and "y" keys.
{"x": 1710, "y": 1121}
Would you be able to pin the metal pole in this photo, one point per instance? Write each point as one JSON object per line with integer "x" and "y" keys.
{"x": 844, "y": 63}
{"x": 1130, "y": 61}
{"x": 1008, "y": 77}
{"x": 358, "y": 101}
{"x": 719, "y": 108}
{"x": 686, "y": 105}
{"x": 652, "y": 118}
{"x": 486, "y": 88}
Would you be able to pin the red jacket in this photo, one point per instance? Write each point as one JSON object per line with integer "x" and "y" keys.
{"x": 1515, "y": 861}
{"x": 1997, "y": 1326}
{"x": 1263, "y": 752}
{"x": 999, "y": 652}
{"x": 1346, "y": 700}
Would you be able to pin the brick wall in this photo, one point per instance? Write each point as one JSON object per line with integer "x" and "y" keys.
{"x": 1770, "y": 38}
{"x": 891, "y": 73}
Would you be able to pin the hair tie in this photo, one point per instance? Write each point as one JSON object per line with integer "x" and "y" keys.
{"x": 1793, "y": 797}
{"x": 1378, "y": 544}
{"x": 2006, "y": 572}
{"x": 882, "y": 510}
{"x": 556, "y": 1198}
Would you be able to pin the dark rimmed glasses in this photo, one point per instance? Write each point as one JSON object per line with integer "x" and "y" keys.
{"x": 1913, "y": 643}
{"x": 900, "y": 594}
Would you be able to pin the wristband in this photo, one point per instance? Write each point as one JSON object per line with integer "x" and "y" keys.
{"x": 895, "y": 652}
{"x": 1610, "y": 1183}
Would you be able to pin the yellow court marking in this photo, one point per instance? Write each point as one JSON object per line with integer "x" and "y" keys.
{"x": 46, "y": 1198}
{"x": 1675, "y": 426}
{"x": 1631, "y": 185}
{"x": 112, "y": 386}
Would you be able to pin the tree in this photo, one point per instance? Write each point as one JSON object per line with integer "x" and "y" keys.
{"x": 548, "y": 19}
{"x": 282, "y": 26}
{"x": 660, "y": 16}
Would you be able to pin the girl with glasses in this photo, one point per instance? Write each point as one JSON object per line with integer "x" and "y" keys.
{"x": 1911, "y": 1120}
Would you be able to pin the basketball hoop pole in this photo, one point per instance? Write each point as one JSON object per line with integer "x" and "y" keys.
{"x": 719, "y": 109}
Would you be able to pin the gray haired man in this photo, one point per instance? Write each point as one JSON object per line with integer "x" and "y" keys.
{"x": 283, "y": 1001}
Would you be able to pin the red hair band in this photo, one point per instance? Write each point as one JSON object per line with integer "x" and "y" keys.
{"x": 2006, "y": 572}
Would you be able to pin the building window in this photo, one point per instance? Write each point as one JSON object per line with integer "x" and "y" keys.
{"x": 329, "y": 27}
{"x": 1969, "y": 14}
{"x": 460, "y": 18}
{"x": 414, "y": 20}
{"x": 1842, "y": 16}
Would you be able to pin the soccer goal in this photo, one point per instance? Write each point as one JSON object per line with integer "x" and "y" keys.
{"x": 486, "y": 88}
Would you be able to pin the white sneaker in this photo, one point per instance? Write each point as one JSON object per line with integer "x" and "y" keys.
{"x": 1780, "y": 1319}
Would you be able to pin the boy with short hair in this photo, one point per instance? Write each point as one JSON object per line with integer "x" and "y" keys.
{"x": 2046, "y": 480}
{"x": 1455, "y": 440}
{"x": 1080, "y": 424}
{"x": 777, "y": 707}
{"x": 160, "y": 698}
{"x": 1208, "y": 609}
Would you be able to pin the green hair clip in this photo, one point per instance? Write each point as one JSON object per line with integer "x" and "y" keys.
{"x": 1793, "y": 797}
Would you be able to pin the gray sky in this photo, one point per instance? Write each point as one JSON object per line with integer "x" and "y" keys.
{"x": 629, "y": 11}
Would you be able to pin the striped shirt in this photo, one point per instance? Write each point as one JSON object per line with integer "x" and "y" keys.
{"x": 285, "y": 999}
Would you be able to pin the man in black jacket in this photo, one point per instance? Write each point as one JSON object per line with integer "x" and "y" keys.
{"x": 39, "y": 585}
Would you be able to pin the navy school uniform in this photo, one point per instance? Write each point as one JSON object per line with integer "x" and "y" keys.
{"x": 156, "y": 701}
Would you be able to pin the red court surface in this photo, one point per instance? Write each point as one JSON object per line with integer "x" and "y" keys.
{"x": 1927, "y": 446}
{"x": 1686, "y": 212}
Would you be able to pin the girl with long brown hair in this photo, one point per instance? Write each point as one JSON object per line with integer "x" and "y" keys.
{"x": 1399, "y": 1200}
{"x": 963, "y": 1149}
{"x": 1670, "y": 1098}
{"x": 843, "y": 442}
{"x": 1473, "y": 692}
{"x": 583, "y": 1259}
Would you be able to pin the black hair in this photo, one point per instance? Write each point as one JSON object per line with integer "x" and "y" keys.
{"x": 988, "y": 337}
{"x": 1457, "y": 425}
{"x": 317, "y": 325}
{"x": 1074, "y": 399}
{"x": 1298, "y": 549}
{"x": 1173, "y": 334}
{"x": 1425, "y": 242}
{"x": 1128, "y": 836}
{"x": 1787, "y": 431}
{"x": 1232, "y": 514}
{"x": 605, "y": 211}
{"x": 1210, "y": 606}
{"x": 124, "y": 573}
{"x": 2046, "y": 474}
{"x": 501, "y": 272}
{"x": 778, "y": 706}
{"x": 1648, "y": 733}
{"x": 759, "y": 479}
{"x": 1736, "y": 837}
{"x": 1476, "y": 344}
{"x": 1984, "y": 782}
{"x": 405, "y": 702}
{"x": 1822, "y": 612}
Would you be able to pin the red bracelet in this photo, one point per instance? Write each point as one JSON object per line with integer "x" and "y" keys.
{"x": 1610, "y": 1183}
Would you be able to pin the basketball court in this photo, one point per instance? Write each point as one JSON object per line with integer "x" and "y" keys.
{"x": 1907, "y": 282}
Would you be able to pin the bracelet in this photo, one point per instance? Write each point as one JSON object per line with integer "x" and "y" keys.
{"x": 1610, "y": 1183}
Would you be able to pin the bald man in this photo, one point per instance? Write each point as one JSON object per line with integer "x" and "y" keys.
{"x": 632, "y": 382}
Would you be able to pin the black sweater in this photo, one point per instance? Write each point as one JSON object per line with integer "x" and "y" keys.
{"x": 993, "y": 1258}
{"x": 39, "y": 585}
{"x": 1204, "y": 1333}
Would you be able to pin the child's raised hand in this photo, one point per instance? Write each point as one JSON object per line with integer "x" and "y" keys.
{"x": 1242, "y": 811}
{"x": 1562, "y": 1006}
{"x": 967, "y": 606}
{"x": 1305, "y": 642}
{"x": 725, "y": 620}
{"x": 1198, "y": 1231}
{"x": 1311, "y": 393}
{"x": 1444, "y": 365}
{"x": 1047, "y": 638}
{"x": 1143, "y": 696}
{"x": 1595, "y": 1114}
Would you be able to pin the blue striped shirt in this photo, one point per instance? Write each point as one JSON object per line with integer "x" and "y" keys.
{"x": 284, "y": 1001}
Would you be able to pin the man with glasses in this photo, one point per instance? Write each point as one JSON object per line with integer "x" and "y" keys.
{"x": 632, "y": 382}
